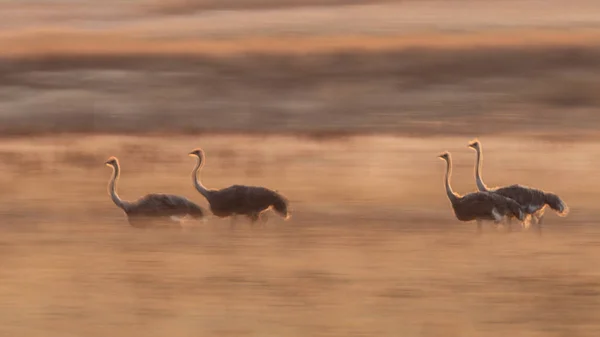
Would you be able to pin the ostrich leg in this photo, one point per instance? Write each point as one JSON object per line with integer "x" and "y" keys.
{"x": 264, "y": 217}
{"x": 253, "y": 218}
{"x": 509, "y": 224}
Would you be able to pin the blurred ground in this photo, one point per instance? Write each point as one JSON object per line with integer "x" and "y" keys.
{"x": 372, "y": 247}
{"x": 341, "y": 105}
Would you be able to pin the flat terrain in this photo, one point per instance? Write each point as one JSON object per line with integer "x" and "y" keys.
{"x": 372, "y": 247}
{"x": 341, "y": 105}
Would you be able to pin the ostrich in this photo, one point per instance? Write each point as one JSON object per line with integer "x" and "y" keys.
{"x": 151, "y": 208}
{"x": 234, "y": 200}
{"x": 479, "y": 206}
{"x": 533, "y": 201}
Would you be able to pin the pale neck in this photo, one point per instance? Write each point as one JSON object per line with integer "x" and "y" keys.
{"x": 196, "y": 179}
{"x": 451, "y": 195}
{"x": 112, "y": 188}
{"x": 478, "y": 168}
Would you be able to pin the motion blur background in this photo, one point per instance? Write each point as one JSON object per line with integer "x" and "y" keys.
{"x": 341, "y": 105}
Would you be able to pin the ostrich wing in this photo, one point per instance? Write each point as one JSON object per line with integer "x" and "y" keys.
{"x": 529, "y": 198}
{"x": 163, "y": 205}
{"x": 242, "y": 199}
{"x": 259, "y": 197}
{"x": 228, "y": 200}
{"x": 481, "y": 205}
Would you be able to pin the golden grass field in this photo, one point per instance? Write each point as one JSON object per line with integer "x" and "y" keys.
{"x": 372, "y": 247}
{"x": 341, "y": 105}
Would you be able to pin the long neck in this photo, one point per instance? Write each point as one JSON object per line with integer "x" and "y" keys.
{"x": 451, "y": 195}
{"x": 480, "y": 185}
{"x": 196, "y": 179}
{"x": 112, "y": 189}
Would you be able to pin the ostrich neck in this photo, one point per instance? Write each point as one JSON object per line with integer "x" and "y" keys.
{"x": 196, "y": 179}
{"x": 478, "y": 168}
{"x": 451, "y": 195}
{"x": 112, "y": 189}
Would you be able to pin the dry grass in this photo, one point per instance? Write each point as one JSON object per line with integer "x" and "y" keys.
{"x": 190, "y": 6}
{"x": 433, "y": 70}
{"x": 372, "y": 247}
{"x": 51, "y": 41}
{"x": 420, "y": 91}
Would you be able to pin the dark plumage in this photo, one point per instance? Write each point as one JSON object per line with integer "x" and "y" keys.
{"x": 151, "y": 209}
{"x": 533, "y": 201}
{"x": 479, "y": 205}
{"x": 250, "y": 201}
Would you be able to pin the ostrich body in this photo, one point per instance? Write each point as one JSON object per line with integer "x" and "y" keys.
{"x": 151, "y": 208}
{"x": 479, "y": 206}
{"x": 234, "y": 200}
{"x": 533, "y": 201}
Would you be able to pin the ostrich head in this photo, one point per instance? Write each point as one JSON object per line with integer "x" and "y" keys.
{"x": 112, "y": 161}
{"x": 445, "y": 156}
{"x": 197, "y": 153}
{"x": 474, "y": 144}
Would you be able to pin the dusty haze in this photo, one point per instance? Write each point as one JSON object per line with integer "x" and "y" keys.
{"x": 341, "y": 105}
